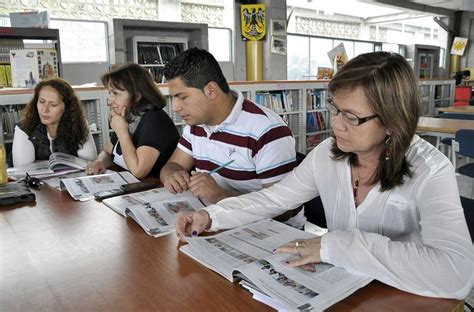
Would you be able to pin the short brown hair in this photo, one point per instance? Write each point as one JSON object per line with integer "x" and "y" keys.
{"x": 391, "y": 88}
{"x": 144, "y": 93}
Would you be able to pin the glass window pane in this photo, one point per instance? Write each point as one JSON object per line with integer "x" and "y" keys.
{"x": 319, "y": 54}
{"x": 220, "y": 44}
{"x": 363, "y": 47}
{"x": 298, "y": 57}
{"x": 348, "y": 45}
{"x": 390, "y": 47}
{"x": 82, "y": 41}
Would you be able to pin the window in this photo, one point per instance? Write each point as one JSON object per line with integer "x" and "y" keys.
{"x": 220, "y": 43}
{"x": 82, "y": 41}
{"x": 319, "y": 54}
{"x": 363, "y": 47}
{"x": 298, "y": 57}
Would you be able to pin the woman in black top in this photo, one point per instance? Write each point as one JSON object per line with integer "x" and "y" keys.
{"x": 144, "y": 135}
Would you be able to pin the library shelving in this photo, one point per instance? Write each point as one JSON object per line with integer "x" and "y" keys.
{"x": 12, "y": 38}
{"x": 434, "y": 94}
{"x": 154, "y": 53}
{"x": 95, "y": 106}
{"x": 302, "y": 104}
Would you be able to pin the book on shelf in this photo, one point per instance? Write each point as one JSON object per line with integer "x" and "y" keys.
{"x": 154, "y": 210}
{"x": 313, "y": 140}
{"x": 58, "y": 164}
{"x": 83, "y": 188}
{"x": 245, "y": 255}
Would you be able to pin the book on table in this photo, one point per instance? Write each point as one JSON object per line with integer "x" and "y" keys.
{"x": 57, "y": 164}
{"x": 83, "y": 188}
{"x": 245, "y": 255}
{"x": 154, "y": 210}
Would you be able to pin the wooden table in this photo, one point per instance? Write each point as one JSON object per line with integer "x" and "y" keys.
{"x": 442, "y": 127}
{"x": 457, "y": 109}
{"x": 64, "y": 255}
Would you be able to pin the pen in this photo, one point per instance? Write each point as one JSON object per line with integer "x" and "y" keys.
{"x": 221, "y": 166}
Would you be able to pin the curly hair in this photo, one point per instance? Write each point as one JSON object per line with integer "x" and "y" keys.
{"x": 391, "y": 88}
{"x": 196, "y": 67}
{"x": 138, "y": 82}
{"x": 73, "y": 127}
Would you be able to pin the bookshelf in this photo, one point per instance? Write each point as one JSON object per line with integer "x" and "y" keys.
{"x": 434, "y": 94}
{"x": 93, "y": 99}
{"x": 154, "y": 53}
{"x": 11, "y": 38}
{"x": 300, "y": 103}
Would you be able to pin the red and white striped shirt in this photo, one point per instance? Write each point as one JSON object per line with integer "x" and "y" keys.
{"x": 256, "y": 138}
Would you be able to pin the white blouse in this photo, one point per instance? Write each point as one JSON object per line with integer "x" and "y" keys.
{"x": 413, "y": 237}
{"x": 23, "y": 149}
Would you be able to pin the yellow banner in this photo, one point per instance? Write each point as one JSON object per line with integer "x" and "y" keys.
{"x": 253, "y": 21}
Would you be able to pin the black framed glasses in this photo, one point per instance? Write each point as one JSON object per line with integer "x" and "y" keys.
{"x": 32, "y": 181}
{"x": 347, "y": 116}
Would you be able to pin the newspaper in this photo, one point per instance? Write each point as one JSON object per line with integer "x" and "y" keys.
{"x": 83, "y": 188}
{"x": 154, "y": 210}
{"x": 58, "y": 164}
{"x": 245, "y": 254}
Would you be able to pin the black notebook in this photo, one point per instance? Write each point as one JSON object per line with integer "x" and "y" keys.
{"x": 15, "y": 192}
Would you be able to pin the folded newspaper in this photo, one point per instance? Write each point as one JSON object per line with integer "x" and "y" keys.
{"x": 83, "y": 188}
{"x": 245, "y": 254}
{"x": 154, "y": 210}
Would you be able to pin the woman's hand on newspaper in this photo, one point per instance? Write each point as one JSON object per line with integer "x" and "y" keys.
{"x": 95, "y": 167}
{"x": 192, "y": 223}
{"x": 307, "y": 250}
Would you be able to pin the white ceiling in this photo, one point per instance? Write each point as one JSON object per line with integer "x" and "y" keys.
{"x": 454, "y": 5}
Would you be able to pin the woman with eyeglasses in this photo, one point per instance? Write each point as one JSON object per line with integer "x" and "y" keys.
{"x": 390, "y": 198}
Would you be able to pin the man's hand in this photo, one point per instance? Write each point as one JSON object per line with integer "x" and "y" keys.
{"x": 202, "y": 185}
{"x": 192, "y": 223}
{"x": 177, "y": 182}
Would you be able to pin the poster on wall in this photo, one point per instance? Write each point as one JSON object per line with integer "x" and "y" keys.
{"x": 253, "y": 21}
{"x": 278, "y": 45}
{"x": 459, "y": 45}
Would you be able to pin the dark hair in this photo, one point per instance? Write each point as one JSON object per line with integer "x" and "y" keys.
{"x": 391, "y": 88}
{"x": 73, "y": 127}
{"x": 136, "y": 80}
{"x": 196, "y": 67}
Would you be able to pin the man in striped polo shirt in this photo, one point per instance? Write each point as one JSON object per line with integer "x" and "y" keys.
{"x": 222, "y": 126}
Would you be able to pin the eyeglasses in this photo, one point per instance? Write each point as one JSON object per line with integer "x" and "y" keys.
{"x": 32, "y": 182}
{"x": 349, "y": 117}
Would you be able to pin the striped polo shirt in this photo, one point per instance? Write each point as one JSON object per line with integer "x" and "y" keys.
{"x": 260, "y": 143}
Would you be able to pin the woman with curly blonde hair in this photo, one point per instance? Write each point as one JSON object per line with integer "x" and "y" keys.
{"x": 54, "y": 122}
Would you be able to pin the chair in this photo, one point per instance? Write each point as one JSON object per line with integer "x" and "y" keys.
{"x": 313, "y": 209}
{"x": 448, "y": 115}
{"x": 463, "y": 144}
{"x": 468, "y": 207}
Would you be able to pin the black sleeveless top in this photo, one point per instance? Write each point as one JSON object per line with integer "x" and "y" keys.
{"x": 40, "y": 140}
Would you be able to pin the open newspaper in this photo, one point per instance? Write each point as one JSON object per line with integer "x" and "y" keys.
{"x": 83, "y": 188}
{"x": 62, "y": 161}
{"x": 57, "y": 165}
{"x": 245, "y": 254}
{"x": 154, "y": 210}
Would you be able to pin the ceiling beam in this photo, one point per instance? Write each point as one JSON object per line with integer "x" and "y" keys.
{"x": 412, "y": 6}
{"x": 393, "y": 17}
